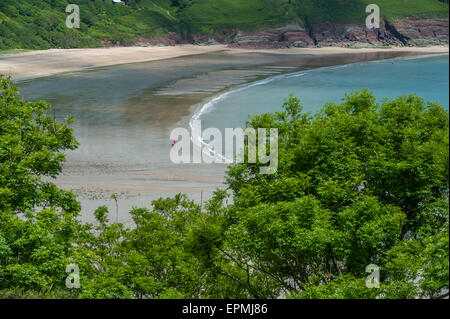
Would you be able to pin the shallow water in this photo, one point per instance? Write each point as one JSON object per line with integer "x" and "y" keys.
{"x": 124, "y": 115}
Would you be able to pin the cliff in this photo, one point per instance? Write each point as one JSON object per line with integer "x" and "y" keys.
{"x": 408, "y": 32}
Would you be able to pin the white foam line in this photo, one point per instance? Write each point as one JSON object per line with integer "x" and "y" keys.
{"x": 197, "y": 140}
{"x": 296, "y": 75}
{"x": 423, "y": 56}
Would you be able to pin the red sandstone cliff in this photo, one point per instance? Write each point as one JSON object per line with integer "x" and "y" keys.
{"x": 409, "y": 32}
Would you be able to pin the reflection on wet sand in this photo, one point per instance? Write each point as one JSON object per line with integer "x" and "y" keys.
{"x": 124, "y": 115}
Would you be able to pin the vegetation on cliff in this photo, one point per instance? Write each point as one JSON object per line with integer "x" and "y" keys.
{"x": 40, "y": 24}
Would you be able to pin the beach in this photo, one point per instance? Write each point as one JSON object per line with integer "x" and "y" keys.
{"x": 34, "y": 64}
{"x": 127, "y": 100}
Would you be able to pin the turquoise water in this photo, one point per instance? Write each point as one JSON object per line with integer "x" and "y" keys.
{"x": 427, "y": 77}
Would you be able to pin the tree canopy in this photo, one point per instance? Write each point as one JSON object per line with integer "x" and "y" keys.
{"x": 359, "y": 183}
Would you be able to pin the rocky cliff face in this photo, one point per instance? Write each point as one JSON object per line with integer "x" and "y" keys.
{"x": 278, "y": 38}
{"x": 423, "y": 32}
{"x": 414, "y": 32}
{"x": 328, "y": 34}
{"x": 408, "y": 32}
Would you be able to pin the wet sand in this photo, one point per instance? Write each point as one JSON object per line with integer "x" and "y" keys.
{"x": 34, "y": 64}
{"x": 124, "y": 115}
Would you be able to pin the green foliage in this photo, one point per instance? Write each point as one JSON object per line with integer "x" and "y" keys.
{"x": 30, "y": 147}
{"x": 19, "y": 293}
{"x": 37, "y": 220}
{"x": 342, "y": 11}
{"x": 26, "y": 24}
{"x": 237, "y": 14}
{"x": 40, "y": 24}
{"x": 416, "y": 8}
{"x": 358, "y": 183}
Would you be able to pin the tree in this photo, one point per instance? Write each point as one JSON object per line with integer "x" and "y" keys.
{"x": 181, "y": 4}
{"x": 150, "y": 260}
{"x": 37, "y": 220}
{"x": 358, "y": 183}
{"x": 31, "y": 145}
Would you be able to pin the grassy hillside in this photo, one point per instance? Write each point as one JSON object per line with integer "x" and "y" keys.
{"x": 208, "y": 16}
{"x": 41, "y": 23}
{"x": 418, "y": 8}
{"x": 33, "y": 24}
{"x": 354, "y": 10}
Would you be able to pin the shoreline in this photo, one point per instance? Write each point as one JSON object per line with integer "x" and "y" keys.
{"x": 96, "y": 171}
{"x": 199, "y": 109}
{"x": 44, "y": 63}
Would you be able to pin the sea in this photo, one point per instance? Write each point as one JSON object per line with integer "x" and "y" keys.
{"x": 426, "y": 76}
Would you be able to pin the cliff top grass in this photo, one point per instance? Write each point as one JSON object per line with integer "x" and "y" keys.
{"x": 399, "y": 9}
{"x": 208, "y": 15}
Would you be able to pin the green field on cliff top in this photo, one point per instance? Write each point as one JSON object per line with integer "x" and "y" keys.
{"x": 40, "y": 24}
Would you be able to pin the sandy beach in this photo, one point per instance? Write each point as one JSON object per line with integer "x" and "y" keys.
{"x": 126, "y": 101}
{"x": 35, "y": 64}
